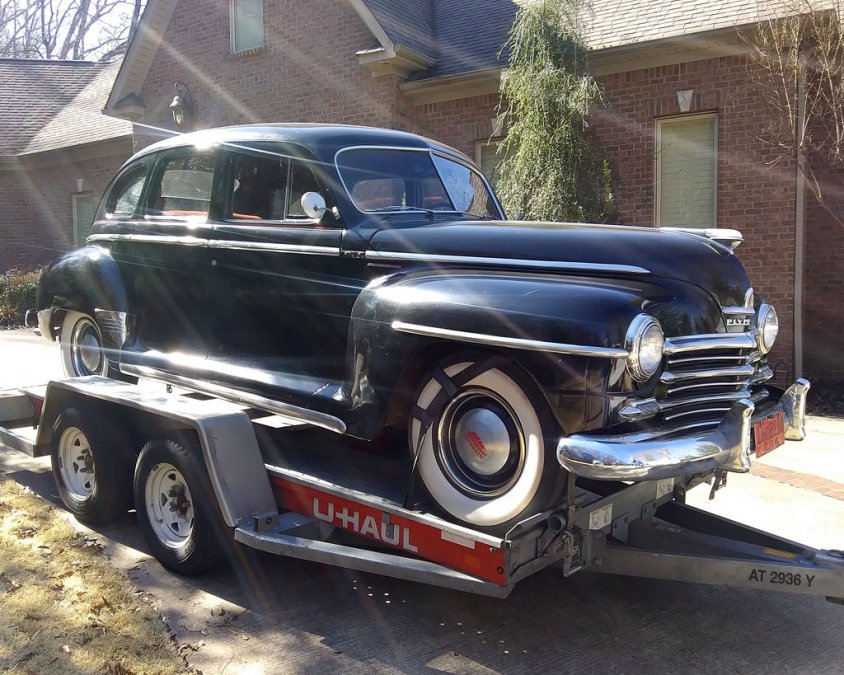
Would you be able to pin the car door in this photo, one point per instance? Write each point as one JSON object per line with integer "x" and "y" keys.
{"x": 280, "y": 299}
{"x": 169, "y": 264}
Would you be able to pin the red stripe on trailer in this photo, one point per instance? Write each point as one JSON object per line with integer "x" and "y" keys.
{"x": 421, "y": 539}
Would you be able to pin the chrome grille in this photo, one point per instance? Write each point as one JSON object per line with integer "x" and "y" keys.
{"x": 705, "y": 374}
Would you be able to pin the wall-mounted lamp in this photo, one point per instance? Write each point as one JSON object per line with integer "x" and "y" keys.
{"x": 182, "y": 107}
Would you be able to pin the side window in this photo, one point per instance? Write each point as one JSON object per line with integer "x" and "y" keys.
{"x": 257, "y": 186}
{"x": 183, "y": 186}
{"x": 247, "y": 24}
{"x": 302, "y": 180}
{"x": 122, "y": 199}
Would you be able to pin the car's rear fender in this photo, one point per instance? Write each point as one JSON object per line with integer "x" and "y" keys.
{"x": 86, "y": 280}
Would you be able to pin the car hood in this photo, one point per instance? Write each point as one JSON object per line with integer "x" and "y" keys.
{"x": 613, "y": 250}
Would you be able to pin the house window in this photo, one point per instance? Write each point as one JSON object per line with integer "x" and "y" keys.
{"x": 686, "y": 171}
{"x": 486, "y": 154}
{"x": 247, "y": 25}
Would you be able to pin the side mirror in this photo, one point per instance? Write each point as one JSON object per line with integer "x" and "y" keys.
{"x": 313, "y": 204}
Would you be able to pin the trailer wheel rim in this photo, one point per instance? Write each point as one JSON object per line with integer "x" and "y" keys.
{"x": 481, "y": 447}
{"x": 86, "y": 348}
{"x": 169, "y": 505}
{"x": 76, "y": 464}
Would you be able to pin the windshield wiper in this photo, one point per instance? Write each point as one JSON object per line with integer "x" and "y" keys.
{"x": 402, "y": 207}
{"x": 476, "y": 216}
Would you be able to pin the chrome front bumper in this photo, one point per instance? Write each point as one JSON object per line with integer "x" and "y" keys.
{"x": 638, "y": 457}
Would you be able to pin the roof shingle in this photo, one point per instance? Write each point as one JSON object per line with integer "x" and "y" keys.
{"x": 466, "y": 35}
{"x": 45, "y": 105}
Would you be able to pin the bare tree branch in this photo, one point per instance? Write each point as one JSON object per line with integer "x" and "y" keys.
{"x": 797, "y": 55}
{"x": 78, "y": 29}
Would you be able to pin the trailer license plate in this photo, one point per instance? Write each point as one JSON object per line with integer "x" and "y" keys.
{"x": 769, "y": 433}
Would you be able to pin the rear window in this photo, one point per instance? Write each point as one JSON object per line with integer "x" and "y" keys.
{"x": 125, "y": 193}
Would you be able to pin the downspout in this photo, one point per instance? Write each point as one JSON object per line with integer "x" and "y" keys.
{"x": 799, "y": 224}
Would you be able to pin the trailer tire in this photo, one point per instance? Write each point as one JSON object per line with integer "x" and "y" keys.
{"x": 487, "y": 458}
{"x": 176, "y": 506}
{"x": 90, "y": 466}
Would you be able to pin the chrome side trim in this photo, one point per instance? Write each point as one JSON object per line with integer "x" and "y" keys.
{"x": 509, "y": 342}
{"x": 271, "y": 247}
{"x": 150, "y": 238}
{"x": 559, "y": 265}
{"x": 166, "y": 239}
{"x": 93, "y": 238}
{"x": 313, "y": 417}
{"x": 689, "y": 343}
{"x": 621, "y": 458}
{"x": 218, "y": 243}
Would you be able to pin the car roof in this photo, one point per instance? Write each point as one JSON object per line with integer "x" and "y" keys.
{"x": 324, "y": 140}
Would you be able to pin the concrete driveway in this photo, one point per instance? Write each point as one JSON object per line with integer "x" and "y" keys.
{"x": 276, "y": 615}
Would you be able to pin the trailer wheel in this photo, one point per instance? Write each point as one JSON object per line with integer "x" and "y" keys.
{"x": 92, "y": 474}
{"x": 177, "y": 510}
{"x": 488, "y": 455}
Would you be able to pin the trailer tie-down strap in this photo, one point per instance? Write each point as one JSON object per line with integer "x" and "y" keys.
{"x": 449, "y": 387}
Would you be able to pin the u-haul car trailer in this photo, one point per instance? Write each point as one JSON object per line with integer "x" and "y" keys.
{"x": 291, "y": 490}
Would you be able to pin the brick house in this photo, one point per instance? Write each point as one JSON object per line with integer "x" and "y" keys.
{"x": 57, "y": 153}
{"x": 680, "y": 125}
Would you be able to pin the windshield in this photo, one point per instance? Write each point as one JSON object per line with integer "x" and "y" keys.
{"x": 384, "y": 179}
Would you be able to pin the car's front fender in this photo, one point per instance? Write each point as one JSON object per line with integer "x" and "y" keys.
{"x": 544, "y": 320}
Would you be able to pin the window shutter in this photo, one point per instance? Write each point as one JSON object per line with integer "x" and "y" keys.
{"x": 687, "y": 172}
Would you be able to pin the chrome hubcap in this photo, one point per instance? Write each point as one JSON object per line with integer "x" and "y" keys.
{"x": 481, "y": 446}
{"x": 169, "y": 505}
{"x": 86, "y": 349}
{"x": 76, "y": 464}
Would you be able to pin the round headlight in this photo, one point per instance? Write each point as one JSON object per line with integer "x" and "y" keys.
{"x": 769, "y": 325}
{"x": 644, "y": 342}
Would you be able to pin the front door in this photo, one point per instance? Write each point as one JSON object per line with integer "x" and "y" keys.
{"x": 279, "y": 301}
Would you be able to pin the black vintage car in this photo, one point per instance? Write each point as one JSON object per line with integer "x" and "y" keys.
{"x": 363, "y": 279}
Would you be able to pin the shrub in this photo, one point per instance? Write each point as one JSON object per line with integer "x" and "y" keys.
{"x": 17, "y": 294}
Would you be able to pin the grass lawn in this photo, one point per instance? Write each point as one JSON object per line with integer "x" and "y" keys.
{"x": 63, "y": 607}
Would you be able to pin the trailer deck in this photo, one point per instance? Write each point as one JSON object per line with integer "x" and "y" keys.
{"x": 293, "y": 490}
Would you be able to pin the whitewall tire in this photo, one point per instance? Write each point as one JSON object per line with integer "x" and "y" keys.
{"x": 488, "y": 457}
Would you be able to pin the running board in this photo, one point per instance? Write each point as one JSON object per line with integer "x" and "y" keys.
{"x": 372, "y": 562}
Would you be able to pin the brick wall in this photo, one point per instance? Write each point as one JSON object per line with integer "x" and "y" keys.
{"x": 459, "y": 123}
{"x": 36, "y": 201}
{"x": 307, "y": 70}
{"x": 757, "y": 200}
{"x": 823, "y": 285}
